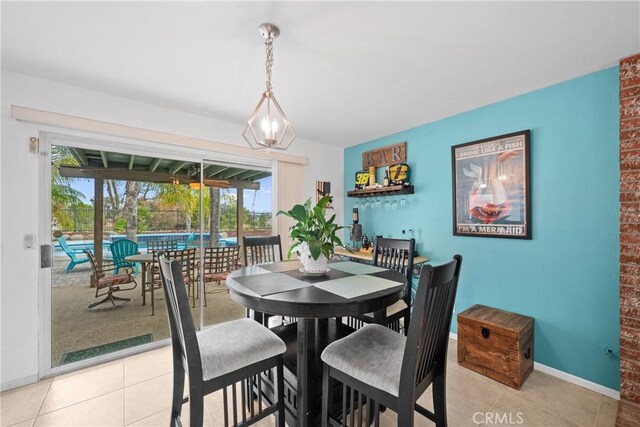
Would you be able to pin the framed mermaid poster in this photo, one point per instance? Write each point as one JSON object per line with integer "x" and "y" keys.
{"x": 491, "y": 187}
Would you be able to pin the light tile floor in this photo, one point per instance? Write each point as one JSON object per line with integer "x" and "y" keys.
{"x": 136, "y": 391}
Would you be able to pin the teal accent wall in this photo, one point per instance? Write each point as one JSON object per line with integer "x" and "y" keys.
{"x": 566, "y": 277}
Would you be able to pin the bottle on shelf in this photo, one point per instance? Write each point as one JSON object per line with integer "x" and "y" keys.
{"x": 386, "y": 178}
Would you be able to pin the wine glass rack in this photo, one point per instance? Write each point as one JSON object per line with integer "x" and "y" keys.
{"x": 391, "y": 190}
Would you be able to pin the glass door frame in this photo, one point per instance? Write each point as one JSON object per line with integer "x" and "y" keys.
{"x": 124, "y": 146}
{"x": 47, "y": 140}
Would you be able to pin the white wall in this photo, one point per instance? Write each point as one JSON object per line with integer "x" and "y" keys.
{"x": 19, "y": 202}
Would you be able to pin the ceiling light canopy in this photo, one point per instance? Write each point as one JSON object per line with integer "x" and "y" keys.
{"x": 268, "y": 127}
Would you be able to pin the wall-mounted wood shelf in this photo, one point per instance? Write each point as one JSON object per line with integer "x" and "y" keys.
{"x": 382, "y": 191}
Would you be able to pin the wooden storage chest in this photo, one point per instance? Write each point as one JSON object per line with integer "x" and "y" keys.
{"x": 496, "y": 343}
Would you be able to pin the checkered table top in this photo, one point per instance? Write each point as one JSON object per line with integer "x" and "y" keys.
{"x": 346, "y": 279}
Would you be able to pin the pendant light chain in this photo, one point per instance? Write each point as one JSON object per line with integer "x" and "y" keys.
{"x": 269, "y": 62}
{"x": 268, "y": 127}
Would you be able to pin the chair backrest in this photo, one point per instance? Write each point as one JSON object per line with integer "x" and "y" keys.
{"x": 425, "y": 354}
{"x": 397, "y": 255}
{"x": 260, "y": 250}
{"x": 121, "y": 249}
{"x": 94, "y": 264}
{"x": 185, "y": 257}
{"x": 221, "y": 260}
{"x": 191, "y": 240}
{"x": 162, "y": 245}
{"x": 65, "y": 247}
{"x": 183, "y": 331}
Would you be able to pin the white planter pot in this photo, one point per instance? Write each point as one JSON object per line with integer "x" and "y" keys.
{"x": 311, "y": 265}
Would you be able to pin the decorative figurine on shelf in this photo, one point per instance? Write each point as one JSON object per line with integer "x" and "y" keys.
{"x": 362, "y": 179}
{"x": 372, "y": 176}
{"x": 399, "y": 174}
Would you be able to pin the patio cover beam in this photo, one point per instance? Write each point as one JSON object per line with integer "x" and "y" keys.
{"x": 79, "y": 155}
{"x": 234, "y": 174}
{"x": 131, "y": 159}
{"x": 248, "y": 174}
{"x": 176, "y": 166}
{"x": 105, "y": 162}
{"x": 220, "y": 170}
{"x": 144, "y": 176}
{"x": 154, "y": 165}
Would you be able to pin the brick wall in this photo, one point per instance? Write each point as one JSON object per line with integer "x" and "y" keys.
{"x": 630, "y": 228}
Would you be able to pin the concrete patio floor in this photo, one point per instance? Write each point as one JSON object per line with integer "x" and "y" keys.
{"x": 75, "y": 327}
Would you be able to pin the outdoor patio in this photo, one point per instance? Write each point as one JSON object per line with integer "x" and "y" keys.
{"x": 75, "y": 328}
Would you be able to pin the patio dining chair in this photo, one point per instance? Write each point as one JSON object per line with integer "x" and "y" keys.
{"x": 72, "y": 254}
{"x": 109, "y": 284}
{"x": 120, "y": 249}
{"x": 382, "y": 367}
{"x": 187, "y": 258}
{"x": 162, "y": 245}
{"x": 217, "y": 264}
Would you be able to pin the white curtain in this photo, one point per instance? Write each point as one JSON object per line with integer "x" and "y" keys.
{"x": 288, "y": 193}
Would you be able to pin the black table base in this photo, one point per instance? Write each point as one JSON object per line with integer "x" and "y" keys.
{"x": 315, "y": 335}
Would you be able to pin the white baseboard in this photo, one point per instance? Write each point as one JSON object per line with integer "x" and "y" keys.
{"x": 609, "y": 392}
{"x": 589, "y": 385}
{"x": 19, "y": 382}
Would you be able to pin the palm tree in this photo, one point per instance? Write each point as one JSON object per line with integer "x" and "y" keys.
{"x": 63, "y": 196}
{"x": 181, "y": 196}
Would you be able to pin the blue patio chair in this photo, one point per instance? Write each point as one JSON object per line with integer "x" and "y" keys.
{"x": 121, "y": 249}
{"x": 71, "y": 253}
{"x": 189, "y": 243}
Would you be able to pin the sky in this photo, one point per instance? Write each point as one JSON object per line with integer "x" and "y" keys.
{"x": 260, "y": 203}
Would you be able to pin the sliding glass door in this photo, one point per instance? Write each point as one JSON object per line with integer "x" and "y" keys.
{"x": 108, "y": 212}
{"x": 236, "y": 201}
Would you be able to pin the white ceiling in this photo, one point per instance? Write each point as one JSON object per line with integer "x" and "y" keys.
{"x": 344, "y": 72}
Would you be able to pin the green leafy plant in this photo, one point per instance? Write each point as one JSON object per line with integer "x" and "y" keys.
{"x": 313, "y": 228}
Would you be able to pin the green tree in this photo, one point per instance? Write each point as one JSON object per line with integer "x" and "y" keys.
{"x": 182, "y": 197}
{"x": 63, "y": 196}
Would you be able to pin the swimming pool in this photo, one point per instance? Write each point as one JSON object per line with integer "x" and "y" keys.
{"x": 143, "y": 239}
{"x": 181, "y": 238}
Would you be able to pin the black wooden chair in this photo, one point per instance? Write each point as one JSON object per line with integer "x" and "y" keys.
{"x": 261, "y": 249}
{"x": 218, "y": 357}
{"x": 397, "y": 255}
{"x": 386, "y": 368}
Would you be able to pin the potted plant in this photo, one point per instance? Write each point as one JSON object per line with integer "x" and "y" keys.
{"x": 314, "y": 237}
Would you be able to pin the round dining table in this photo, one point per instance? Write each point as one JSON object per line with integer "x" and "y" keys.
{"x": 317, "y": 302}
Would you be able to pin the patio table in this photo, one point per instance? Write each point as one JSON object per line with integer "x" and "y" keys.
{"x": 144, "y": 260}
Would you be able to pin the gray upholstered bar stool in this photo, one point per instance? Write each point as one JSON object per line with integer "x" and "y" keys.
{"x": 219, "y": 357}
{"x": 390, "y": 369}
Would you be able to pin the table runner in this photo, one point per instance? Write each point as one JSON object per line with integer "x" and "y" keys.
{"x": 270, "y": 283}
{"x": 355, "y": 286}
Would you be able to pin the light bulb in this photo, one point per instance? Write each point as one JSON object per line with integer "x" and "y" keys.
{"x": 265, "y": 127}
{"x": 274, "y": 127}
